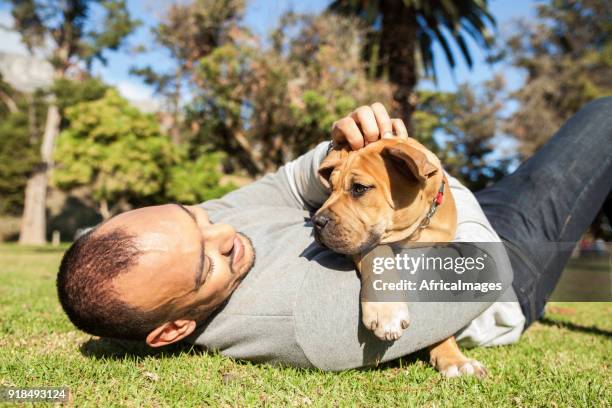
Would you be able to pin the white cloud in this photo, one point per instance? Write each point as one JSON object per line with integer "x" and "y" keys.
{"x": 139, "y": 95}
{"x": 134, "y": 91}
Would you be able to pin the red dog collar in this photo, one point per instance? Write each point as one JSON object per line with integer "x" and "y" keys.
{"x": 434, "y": 206}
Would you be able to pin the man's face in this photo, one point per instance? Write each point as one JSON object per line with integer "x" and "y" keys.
{"x": 187, "y": 262}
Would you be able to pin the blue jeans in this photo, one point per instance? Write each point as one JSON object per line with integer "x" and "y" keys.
{"x": 543, "y": 208}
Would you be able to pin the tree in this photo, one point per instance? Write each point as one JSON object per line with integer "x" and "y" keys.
{"x": 567, "y": 55}
{"x": 68, "y": 92}
{"x": 264, "y": 106}
{"x": 19, "y": 119}
{"x": 402, "y": 34}
{"x": 123, "y": 159}
{"x": 195, "y": 181}
{"x": 189, "y": 31}
{"x": 115, "y": 150}
{"x": 461, "y": 127}
{"x": 63, "y": 24}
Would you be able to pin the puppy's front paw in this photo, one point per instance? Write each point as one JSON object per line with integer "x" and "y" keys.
{"x": 455, "y": 367}
{"x": 386, "y": 319}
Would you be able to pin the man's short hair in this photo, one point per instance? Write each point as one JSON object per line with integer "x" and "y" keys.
{"x": 84, "y": 286}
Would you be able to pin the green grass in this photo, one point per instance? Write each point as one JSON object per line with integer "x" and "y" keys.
{"x": 562, "y": 361}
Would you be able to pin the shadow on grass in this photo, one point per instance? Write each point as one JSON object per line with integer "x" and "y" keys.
{"x": 99, "y": 348}
{"x": 575, "y": 327}
{"x": 421, "y": 355}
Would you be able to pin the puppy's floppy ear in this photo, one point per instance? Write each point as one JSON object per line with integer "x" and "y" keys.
{"x": 331, "y": 161}
{"x": 410, "y": 159}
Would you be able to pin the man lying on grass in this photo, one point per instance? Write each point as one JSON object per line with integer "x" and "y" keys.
{"x": 269, "y": 293}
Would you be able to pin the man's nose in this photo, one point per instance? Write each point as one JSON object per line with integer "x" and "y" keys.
{"x": 219, "y": 235}
{"x": 320, "y": 221}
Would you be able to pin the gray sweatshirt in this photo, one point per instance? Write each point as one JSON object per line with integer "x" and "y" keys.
{"x": 299, "y": 304}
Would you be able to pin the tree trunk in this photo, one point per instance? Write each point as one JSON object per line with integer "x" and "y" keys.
{"x": 9, "y": 102}
{"x": 34, "y": 220}
{"x": 251, "y": 159}
{"x": 397, "y": 48}
{"x": 175, "y": 133}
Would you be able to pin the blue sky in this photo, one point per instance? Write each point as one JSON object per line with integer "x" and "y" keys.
{"x": 261, "y": 16}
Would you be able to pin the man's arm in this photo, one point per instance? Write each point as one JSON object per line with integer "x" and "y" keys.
{"x": 295, "y": 184}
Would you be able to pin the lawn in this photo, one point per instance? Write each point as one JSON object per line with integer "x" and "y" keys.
{"x": 563, "y": 360}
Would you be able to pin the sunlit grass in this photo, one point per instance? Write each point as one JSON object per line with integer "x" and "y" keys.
{"x": 562, "y": 361}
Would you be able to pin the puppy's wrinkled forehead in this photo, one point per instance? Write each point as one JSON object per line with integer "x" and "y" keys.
{"x": 366, "y": 165}
{"x": 342, "y": 162}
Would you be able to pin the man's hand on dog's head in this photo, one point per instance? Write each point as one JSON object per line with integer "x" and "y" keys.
{"x": 365, "y": 125}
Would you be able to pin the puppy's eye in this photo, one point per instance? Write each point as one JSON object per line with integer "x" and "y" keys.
{"x": 357, "y": 190}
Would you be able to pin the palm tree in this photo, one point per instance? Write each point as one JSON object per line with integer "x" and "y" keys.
{"x": 402, "y": 34}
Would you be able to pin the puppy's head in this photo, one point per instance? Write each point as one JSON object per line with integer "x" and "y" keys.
{"x": 381, "y": 189}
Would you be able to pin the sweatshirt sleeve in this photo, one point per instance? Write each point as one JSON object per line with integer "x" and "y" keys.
{"x": 303, "y": 179}
{"x": 295, "y": 185}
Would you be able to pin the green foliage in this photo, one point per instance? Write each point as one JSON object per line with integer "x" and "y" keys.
{"x": 189, "y": 31}
{"x": 66, "y": 33}
{"x": 121, "y": 155}
{"x": 69, "y": 92}
{"x": 17, "y": 158}
{"x": 460, "y": 127}
{"x": 113, "y": 148}
{"x": 317, "y": 112}
{"x": 20, "y": 134}
{"x": 18, "y": 145}
{"x": 280, "y": 100}
{"x": 195, "y": 181}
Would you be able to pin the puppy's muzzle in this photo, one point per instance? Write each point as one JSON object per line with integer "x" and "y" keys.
{"x": 319, "y": 221}
{"x": 335, "y": 235}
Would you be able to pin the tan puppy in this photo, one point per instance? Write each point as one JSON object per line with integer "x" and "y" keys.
{"x": 391, "y": 191}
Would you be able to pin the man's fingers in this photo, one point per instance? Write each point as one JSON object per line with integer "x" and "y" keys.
{"x": 364, "y": 117}
{"x": 382, "y": 119}
{"x": 346, "y": 129}
{"x": 366, "y": 125}
{"x": 399, "y": 128}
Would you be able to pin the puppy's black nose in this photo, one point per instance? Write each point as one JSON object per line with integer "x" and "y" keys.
{"x": 320, "y": 221}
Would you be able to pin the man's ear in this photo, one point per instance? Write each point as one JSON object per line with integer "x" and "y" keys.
{"x": 331, "y": 161}
{"x": 410, "y": 159}
{"x": 170, "y": 332}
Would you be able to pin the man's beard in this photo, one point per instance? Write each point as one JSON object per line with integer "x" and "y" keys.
{"x": 252, "y": 255}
